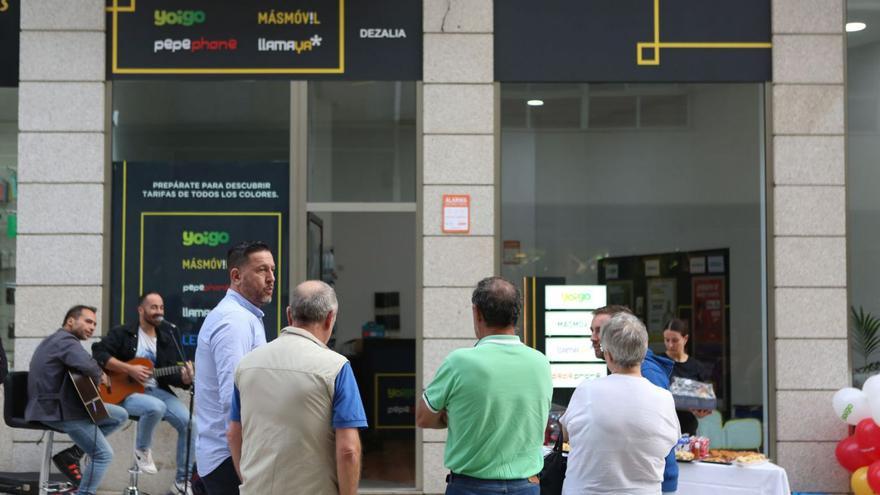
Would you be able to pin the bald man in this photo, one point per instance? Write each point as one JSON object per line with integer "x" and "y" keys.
{"x": 296, "y": 408}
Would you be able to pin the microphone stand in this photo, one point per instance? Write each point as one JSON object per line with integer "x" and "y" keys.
{"x": 192, "y": 394}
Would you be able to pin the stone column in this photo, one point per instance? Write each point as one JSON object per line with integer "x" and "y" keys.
{"x": 808, "y": 211}
{"x": 61, "y": 176}
{"x": 458, "y": 145}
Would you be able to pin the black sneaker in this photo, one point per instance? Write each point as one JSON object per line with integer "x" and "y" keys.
{"x": 67, "y": 462}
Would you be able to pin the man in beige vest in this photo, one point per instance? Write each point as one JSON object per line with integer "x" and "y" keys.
{"x": 296, "y": 408}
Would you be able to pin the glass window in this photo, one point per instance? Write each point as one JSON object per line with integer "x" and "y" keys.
{"x": 653, "y": 191}
{"x": 189, "y": 159}
{"x": 362, "y": 149}
{"x": 201, "y": 121}
{"x": 862, "y": 179}
{"x": 376, "y": 287}
{"x": 362, "y": 142}
{"x": 8, "y": 203}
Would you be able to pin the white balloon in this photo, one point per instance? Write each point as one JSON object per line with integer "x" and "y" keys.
{"x": 871, "y": 388}
{"x": 851, "y": 405}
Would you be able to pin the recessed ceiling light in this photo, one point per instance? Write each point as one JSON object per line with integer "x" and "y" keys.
{"x": 535, "y": 103}
{"x": 852, "y": 27}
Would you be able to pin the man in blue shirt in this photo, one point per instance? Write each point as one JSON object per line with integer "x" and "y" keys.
{"x": 296, "y": 409}
{"x": 231, "y": 330}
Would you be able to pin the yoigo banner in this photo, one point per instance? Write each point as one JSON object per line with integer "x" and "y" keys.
{"x": 173, "y": 223}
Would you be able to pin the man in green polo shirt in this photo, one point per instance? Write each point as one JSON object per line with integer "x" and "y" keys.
{"x": 494, "y": 398}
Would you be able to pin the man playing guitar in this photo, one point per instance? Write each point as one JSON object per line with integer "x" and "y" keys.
{"x": 53, "y": 400}
{"x": 149, "y": 338}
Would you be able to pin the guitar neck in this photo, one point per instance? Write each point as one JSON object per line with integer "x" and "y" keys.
{"x": 166, "y": 371}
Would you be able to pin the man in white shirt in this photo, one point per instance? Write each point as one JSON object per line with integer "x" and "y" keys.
{"x": 232, "y": 329}
{"x": 620, "y": 427}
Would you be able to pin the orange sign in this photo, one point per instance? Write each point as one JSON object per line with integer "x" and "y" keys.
{"x": 456, "y": 213}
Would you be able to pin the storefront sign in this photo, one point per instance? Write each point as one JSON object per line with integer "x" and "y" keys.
{"x": 574, "y": 350}
{"x": 309, "y": 39}
{"x": 9, "y": 36}
{"x": 456, "y": 213}
{"x": 567, "y": 323}
{"x": 571, "y": 375}
{"x": 583, "y": 297}
{"x": 632, "y": 41}
{"x": 173, "y": 224}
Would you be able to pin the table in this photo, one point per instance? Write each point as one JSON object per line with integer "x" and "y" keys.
{"x": 698, "y": 478}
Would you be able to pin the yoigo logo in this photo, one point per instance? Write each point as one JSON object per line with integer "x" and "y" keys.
{"x": 178, "y": 17}
{"x": 206, "y": 238}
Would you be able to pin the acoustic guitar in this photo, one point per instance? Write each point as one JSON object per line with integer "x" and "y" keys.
{"x": 89, "y": 396}
{"x": 122, "y": 385}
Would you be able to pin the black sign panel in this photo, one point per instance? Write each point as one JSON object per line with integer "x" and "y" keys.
{"x": 395, "y": 401}
{"x": 173, "y": 224}
{"x": 305, "y": 39}
{"x": 632, "y": 40}
{"x": 10, "y": 15}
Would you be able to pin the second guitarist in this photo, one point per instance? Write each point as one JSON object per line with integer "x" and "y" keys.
{"x": 148, "y": 338}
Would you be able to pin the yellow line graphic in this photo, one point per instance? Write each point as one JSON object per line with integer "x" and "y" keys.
{"x": 124, "y": 221}
{"x": 658, "y": 45}
{"x": 116, "y": 8}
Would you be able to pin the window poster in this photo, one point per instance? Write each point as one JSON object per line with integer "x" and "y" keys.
{"x": 708, "y": 303}
{"x": 173, "y": 224}
{"x": 661, "y": 305}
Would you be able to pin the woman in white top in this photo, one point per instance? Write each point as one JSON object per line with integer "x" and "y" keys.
{"x": 620, "y": 427}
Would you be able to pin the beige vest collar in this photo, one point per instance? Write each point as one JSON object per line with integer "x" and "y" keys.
{"x": 304, "y": 334}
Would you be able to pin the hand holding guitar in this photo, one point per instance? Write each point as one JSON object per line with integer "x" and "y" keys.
{"x": 139, "y": 372}
{"x": 186, "y": 373}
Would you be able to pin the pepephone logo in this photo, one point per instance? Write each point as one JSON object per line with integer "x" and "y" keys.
{"x": 206, "y": 238}
{"x": 178, "y": 17}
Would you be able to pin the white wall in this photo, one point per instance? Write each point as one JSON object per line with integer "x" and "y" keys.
{"x": 571, "y": 197}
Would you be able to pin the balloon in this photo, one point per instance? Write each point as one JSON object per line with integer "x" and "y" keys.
{"x": 868, "y": 434}
{"x": 871, "y": 387}
{"x": 851, "y": 405}
{"x": 874, "y": 476}
{"x": 859, "y": 482}
{"x": 850, "y": 455}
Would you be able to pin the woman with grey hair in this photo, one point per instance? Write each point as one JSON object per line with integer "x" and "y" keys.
{"x": 620, "y": 427}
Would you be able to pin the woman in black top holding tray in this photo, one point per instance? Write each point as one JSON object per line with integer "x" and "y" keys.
{"x": 675, "y": 338}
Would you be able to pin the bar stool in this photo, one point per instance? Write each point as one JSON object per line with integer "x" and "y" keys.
{"x": 15, "y": 395}
{"x": 134, "y": 470}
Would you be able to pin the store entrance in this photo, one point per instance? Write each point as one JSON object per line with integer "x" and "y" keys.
{"x": 369, "y": 258}
{"x": 341, "y": 159}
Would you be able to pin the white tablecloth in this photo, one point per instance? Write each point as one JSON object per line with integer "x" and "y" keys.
{"x": 697, "y": 478}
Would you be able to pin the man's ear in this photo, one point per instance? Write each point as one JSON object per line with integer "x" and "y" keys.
{"x": 289, "y": 317}
{"x": 328, "y": 322}
{"x": 234, "y": 275}
{"x": 477, "y": 316}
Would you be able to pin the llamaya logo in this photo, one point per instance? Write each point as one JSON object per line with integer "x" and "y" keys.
{"x": 206, "y": 238}
{"x": 179, "y": 17}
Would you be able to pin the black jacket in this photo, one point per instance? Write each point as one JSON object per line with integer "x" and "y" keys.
{"x": 122, "y": 343}
{"x": 51, "y": 395}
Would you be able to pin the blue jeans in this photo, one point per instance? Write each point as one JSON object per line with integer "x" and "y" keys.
{"x": 465, "y": 485}
{"x": 93, "y": 440}
{"x": 153, "y": 406}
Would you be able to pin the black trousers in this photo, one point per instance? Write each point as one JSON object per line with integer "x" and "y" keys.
{"x": 223, "y": 480}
